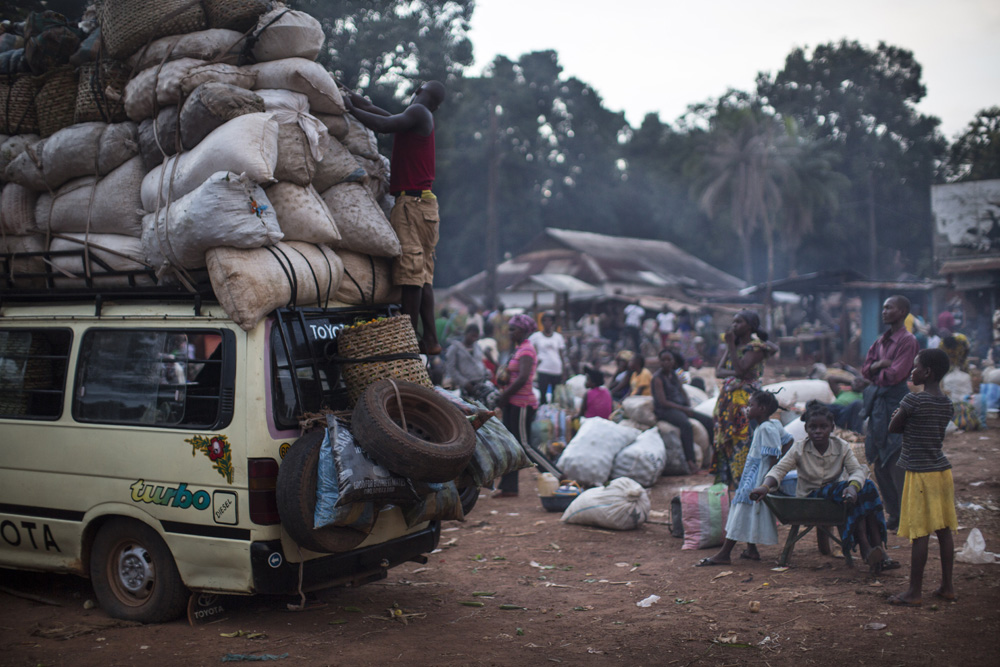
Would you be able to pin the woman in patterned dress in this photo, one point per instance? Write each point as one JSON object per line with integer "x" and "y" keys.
{"x": 741, "y": 367}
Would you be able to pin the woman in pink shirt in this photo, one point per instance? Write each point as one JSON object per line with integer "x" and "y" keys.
{"x": 517, "y": 398}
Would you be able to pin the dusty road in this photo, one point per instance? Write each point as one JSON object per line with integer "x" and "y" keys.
{"x": 577, "y": 588}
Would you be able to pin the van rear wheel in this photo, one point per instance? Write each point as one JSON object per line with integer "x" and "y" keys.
{"x": 134, "y": 575}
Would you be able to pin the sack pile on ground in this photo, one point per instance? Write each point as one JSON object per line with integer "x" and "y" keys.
{"x": 202, "y": 137}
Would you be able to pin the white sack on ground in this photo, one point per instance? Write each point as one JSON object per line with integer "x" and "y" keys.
{"x": 22, "y": 266}
{"x": 359, "y": 139}
{"x": 212, "y": 104}
{"x": 85, "y": 149}
{"x": 296, "y": 163}
{"x": 801, "y": 391}
{"x": 362, "y": 225}
{"x": 108, "y": 205}
{"x": 643, "y": 460}
{"x": 589, "y": 456}
{"x": 338, "y": 165}
{"x": 640, "y": 409}
{"x": 302, "y": 213}
{"x": 216, "y": 45}
{"x": 367, "y": 280}
{"x": 118, "y": 252}
{"x": 676, "y": 463}
{"x": 621, "y": 505}
{"x": 303, "y": 76}
{"x": 17, "y": 210}
{"x": 287, "y": 33}
{"x": 290, "y": 107}
{"x": 162, "y": 86}
{"x": 13, "y": 147}
{"x": 251, "y": 283}
{"x": 248, "y": 144}
{"x": 226, "y": 210}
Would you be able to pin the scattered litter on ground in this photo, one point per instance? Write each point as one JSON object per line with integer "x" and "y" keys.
{"x": 722, "y": 574}
{"x": 648, "y": 602}
{"x": 262, "y": 657}
{"x": 876, "y": 626}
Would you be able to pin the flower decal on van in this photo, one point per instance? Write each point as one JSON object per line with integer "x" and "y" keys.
{"x": 218, "y": 451}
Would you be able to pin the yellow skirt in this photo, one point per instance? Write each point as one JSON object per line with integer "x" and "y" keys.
{"x": 928, "y": 504}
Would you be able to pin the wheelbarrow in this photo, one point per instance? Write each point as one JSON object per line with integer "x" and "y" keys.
{"x": 818, "y": 513}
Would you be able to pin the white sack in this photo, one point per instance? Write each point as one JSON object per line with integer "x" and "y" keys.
{"x": 120, "y": 253}
{"x": 251, "y": 283}
{"x": 367, "y": 280}
{"x": 208, "y": 107}
{"x": 226, "y": 210}
{"x": 84, "y": 149}
{"x": 643, "y": 460}
{"x": 216, "y": 45}
{"x": 359, "y": 139}
{"x": 245, "y": 145}
{"x": 362, "y": 224}
{"x": 797, "y": 429}
{"x": 337, "y": 165}
{"x": 695, "y": 395}
{"x": 17, "y": 210}
{"x": 163, "y": 86}
{"x": 974, "y": 551}
{"x": 676, "y": 463}
{"x": 957, "y": 385}
{"x": 289, "y": 108}
{"x": 287, "y": 33}
{"x": 640, "y": 409}
{"x": 108, "y": 205}
{"x": 707, "y": 407}
{"x": 13, "y": 147}
{"x": 577, "y": 385}
{"x": 621, "y": 505}
{"x": 303, "y": 76}
{"x": 801, "y": 391}
{"x": 24, "y": 265}
{"x": 302, "y": 214}
{"x": 589, "y": 456}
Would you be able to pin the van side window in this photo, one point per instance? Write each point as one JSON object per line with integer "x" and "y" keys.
{"x": 33, "y": 366}
{"x": 152, "y": 377}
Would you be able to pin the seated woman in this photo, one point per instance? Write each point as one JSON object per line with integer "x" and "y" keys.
{"x": 621, "y": 385}
{"x": 821, "y": 459}
{"x": 671, "y": 404}
{"x": 597, "y": 401}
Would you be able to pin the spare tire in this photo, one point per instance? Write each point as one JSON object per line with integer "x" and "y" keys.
{"x": 296, "y": 492}
{"x": 438, "y": 441}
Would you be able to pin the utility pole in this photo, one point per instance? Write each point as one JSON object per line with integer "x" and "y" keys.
{"x": 872, "y": 236}
{"x": 492, "y": 235}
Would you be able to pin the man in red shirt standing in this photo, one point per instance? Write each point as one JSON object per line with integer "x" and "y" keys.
{"x": 887, "y": 367}
{"x": 415, "y": 216}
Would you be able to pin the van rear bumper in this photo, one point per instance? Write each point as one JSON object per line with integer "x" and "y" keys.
{"x": 273, "y": 574}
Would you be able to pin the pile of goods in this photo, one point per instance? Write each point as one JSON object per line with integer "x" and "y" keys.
{"x": 155, "y": 143}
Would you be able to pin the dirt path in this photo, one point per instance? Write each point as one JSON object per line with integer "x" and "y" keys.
{"x": 578, "y": 588}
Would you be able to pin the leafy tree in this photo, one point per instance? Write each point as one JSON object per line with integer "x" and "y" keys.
{"x": 975, "y": 155}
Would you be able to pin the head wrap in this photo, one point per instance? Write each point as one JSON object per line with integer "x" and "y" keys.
{"x": 522, "y": 322}
{"x": 752, "y": 318}
{"x": 624, "y": 355}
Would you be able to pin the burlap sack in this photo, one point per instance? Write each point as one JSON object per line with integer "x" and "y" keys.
{"x": 303, "y": 76}
{"x": 157, "y": 87}
{"x": 367, "y": 280}
{"x": 17, "y": 210}
{"x": 14, "y": 146}
{"x": 359, "y": 139}
{"x": 210, "y": 105}
{"x": 21, "y": 267}
{"x": 362, "y": 225}
{"x": 248, "y": 144}
{"x": 296, "y": 163}
{"x": 251, "y": 283}
{"x": 216, "y": 45}
{"x": 337, "y": 166}
{"x": 284, "y": 33}
{"x": 109, "y": 205}
{"x": 336, "y": 126}
{"x": 377, "y": 175}
{"x": 302, "y": 213}
{"x": 158, "y": 137}
{"x": 226, "y": 210}
{"x": 118, "y": 252}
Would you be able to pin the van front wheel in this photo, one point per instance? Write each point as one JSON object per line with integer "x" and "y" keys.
{"x": 134, "y": 575}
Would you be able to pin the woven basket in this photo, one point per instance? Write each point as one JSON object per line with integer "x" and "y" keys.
{"x": 18, "y": 113}
{"x": 93, "y": 101}
{"x": 393, "y": 335}
{"x": 56, "y": 100}
{"x": 128, "y": 25}
{"x": 238, "y": 15}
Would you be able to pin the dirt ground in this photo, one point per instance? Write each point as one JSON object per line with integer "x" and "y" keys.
{"x": 577, "y": 588}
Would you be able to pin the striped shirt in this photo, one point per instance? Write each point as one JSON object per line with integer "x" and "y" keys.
{"x": 927, "y": 418}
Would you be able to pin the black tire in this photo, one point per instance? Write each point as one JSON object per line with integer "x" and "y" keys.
{"x": 469, "y": 495}
{"x": 134, "y": 575}
{"x": 296, "y": 497}
{"x": 438, "y": 441}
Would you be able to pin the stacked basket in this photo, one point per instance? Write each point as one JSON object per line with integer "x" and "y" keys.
{"x": 389, "y": 345}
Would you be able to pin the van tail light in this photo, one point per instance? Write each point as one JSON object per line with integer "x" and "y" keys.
{"x": 263, "y": 478}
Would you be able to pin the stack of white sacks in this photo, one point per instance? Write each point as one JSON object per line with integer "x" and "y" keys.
{"x": 253, "y": 173}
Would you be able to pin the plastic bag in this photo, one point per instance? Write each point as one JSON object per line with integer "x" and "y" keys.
{"x": 643, "y": 460}
{"x": 704, "y": 510}
{"x": 497, "y": 453}
{"x": 975, "y": 551}
{"x": 621, "y": 505}
{"x": 361, "y": 479}
{"x": 640, "y": 409}
{"x": 328, "y": 493}
{"x": 589, "y": 456}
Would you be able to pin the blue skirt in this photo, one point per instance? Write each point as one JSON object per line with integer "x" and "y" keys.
{"x": 869, "y": 502}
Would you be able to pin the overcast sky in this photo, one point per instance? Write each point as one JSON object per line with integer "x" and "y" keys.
{"x": 660, "y": 56}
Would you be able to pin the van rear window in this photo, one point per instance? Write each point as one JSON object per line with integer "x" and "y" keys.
{"x": 33, "y": 366}
{"x": 154, "y": 377}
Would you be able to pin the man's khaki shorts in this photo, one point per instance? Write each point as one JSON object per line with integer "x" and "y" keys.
{"x": 415, "y": 221}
